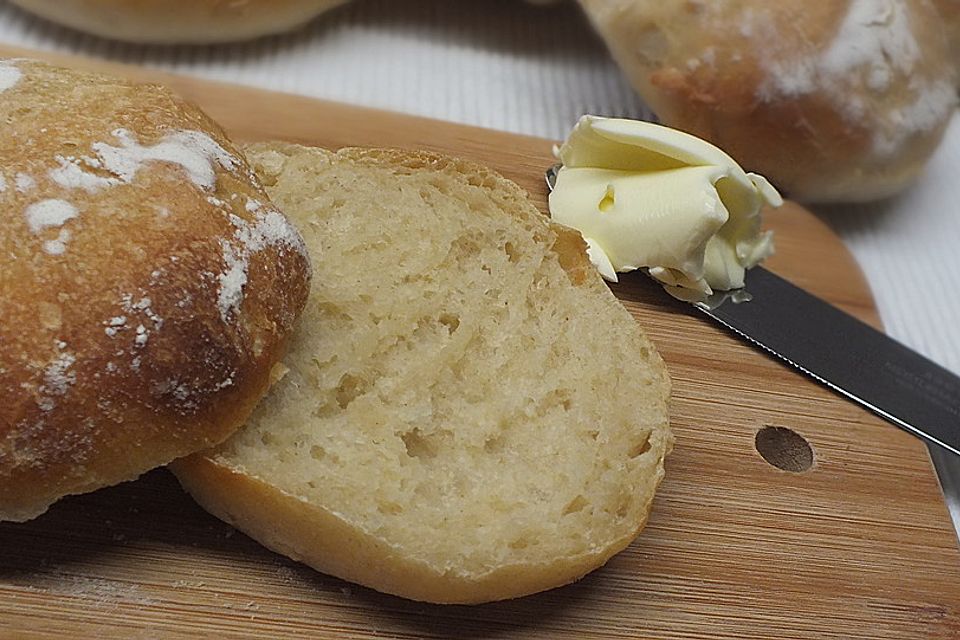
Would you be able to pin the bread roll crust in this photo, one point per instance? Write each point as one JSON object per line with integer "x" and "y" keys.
{"x": 950, "y": 13}
{"x": 469, "y": 414}
{"x": 147, "y": 285}
{"x": 832, "y": 101}
{"x": 323, "y": 539}
{"x": 179, "y": 22}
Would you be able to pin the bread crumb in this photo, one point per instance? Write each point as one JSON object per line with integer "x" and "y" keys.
{"x": 180, "y": 584}
{"x": 285, "y": 574}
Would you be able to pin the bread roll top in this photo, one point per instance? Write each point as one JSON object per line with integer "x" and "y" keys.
{"x": 831, "y": 100}
{"x": 145, "y": 282}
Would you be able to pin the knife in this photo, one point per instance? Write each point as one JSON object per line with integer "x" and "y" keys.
{"x": 841, "y": 352}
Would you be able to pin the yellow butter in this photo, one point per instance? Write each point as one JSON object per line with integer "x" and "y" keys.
{"x": 647, "y": 196}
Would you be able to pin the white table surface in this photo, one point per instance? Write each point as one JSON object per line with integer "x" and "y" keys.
{"x": 507, "y": 65}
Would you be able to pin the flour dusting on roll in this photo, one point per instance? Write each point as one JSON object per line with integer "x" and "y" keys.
{"x": 832, "y": 101}
{"x": 147, "y": 284}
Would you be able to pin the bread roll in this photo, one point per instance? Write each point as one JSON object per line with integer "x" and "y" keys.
{"x": 147, "y": 285}
{"x": 179, "y": 21}
{"x": 469, "y": 414}
{"x": 834, "y": 101}
{"x": 950, "y": 14}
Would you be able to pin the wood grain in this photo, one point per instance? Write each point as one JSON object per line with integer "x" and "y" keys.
{"x": 859, "y": 546}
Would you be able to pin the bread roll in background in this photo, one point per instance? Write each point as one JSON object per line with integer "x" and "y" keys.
{"x": 833, "y": 101}
{"x": 179, "y": 21}
{"x": 950, "y": 13}
{"x": 147, "y": 285}
{"x": 469, "y": 414}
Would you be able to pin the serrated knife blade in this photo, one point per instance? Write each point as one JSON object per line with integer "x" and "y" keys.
{"x": 845, "y": 354}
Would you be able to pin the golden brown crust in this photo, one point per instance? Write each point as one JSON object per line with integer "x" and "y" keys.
{"x": 168, "y": 21}
{"x": 950, "y": 13}
{"x": 832, "y": 101}
{"x": 322, "y": 539}
{"x": 147, "y": 285}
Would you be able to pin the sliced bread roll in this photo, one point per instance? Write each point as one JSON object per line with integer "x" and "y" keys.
{"x": 469, "y": 414}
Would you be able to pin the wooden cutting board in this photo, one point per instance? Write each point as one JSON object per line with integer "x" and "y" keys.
{"x": 858, "y": 545}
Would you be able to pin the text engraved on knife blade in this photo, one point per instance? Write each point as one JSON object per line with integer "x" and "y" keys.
{"x": 931, "y": 387}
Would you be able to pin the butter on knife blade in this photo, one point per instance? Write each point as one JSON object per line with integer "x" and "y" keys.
{"x": 647, "y": 196}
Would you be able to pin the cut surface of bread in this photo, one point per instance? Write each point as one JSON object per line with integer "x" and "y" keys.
{"x": 468, "y": 413}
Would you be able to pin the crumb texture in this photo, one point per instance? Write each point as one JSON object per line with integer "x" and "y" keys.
{"x": 462, "y": 389}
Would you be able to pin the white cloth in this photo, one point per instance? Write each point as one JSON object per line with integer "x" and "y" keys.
{"x": 508, "y": 65}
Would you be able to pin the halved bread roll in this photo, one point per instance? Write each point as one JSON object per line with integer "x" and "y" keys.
{"x": 468, "y": 413}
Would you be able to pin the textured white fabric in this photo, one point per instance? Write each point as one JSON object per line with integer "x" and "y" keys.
{"x": 508, "y": 65}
